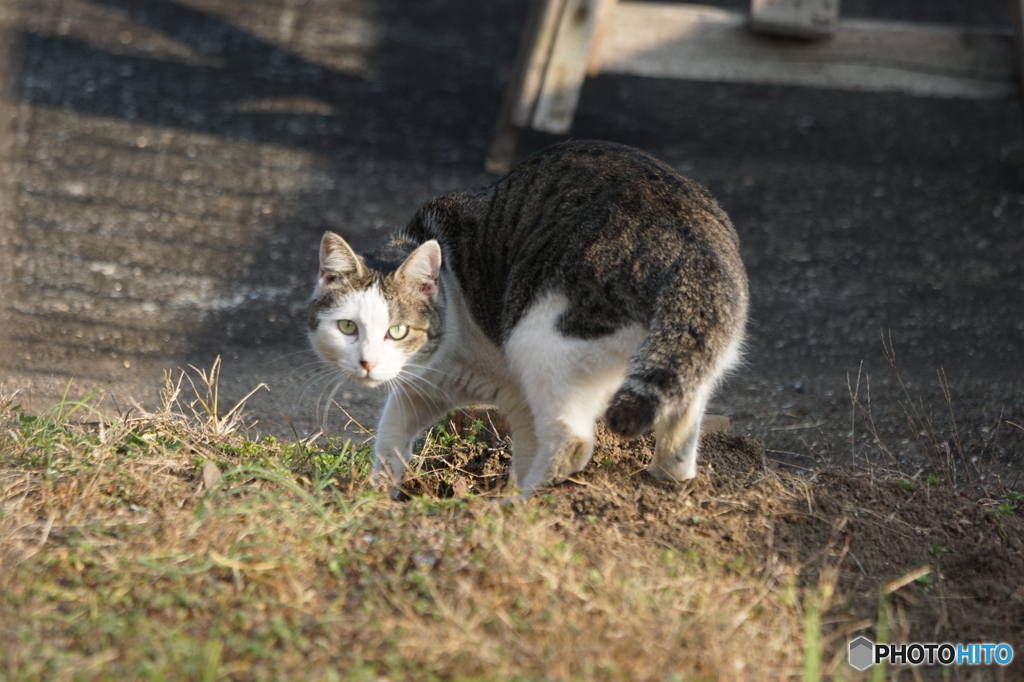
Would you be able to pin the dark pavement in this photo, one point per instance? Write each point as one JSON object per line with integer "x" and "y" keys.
{"x": 167, "y": 169}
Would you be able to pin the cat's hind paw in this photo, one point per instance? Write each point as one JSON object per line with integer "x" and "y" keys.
{"x": 679, "y": 472}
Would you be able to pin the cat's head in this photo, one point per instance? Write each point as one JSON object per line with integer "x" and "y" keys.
{"x": 369, "y": 320}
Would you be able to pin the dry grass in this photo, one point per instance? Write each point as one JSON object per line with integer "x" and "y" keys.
{"x": 119, "y": 559}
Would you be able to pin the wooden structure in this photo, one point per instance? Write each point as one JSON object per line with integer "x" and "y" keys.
{"x": 566, "y": 40}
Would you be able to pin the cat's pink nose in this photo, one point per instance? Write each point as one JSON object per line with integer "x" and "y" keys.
{"x": 367, "y": 365}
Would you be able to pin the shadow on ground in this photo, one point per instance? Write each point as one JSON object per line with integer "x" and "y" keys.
{"x": 170, "y": 167}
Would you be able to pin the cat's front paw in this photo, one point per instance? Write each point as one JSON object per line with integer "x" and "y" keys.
{"x": 382, "y": 479}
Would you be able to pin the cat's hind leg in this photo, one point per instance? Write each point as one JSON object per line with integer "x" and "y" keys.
{"x": 677, "y": 433}
{"x": 565, "y": 444}
{"x": 567, "y": 382}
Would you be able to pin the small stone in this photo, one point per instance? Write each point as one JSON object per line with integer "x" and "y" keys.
{"x": 211, "y": 474}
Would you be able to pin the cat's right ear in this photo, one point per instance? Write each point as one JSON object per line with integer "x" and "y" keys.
{"x": 421, "y": 268}
{"x": 337, "y": 259}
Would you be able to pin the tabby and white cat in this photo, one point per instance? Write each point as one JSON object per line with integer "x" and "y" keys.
{"x": 591, "y": 280}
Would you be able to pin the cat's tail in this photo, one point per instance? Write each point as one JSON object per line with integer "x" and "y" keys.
{"x": 688, "y": 349}
{"x": 634, "y": 408}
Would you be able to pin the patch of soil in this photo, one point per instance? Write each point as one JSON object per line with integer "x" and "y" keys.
{"x": 875, "y": 529}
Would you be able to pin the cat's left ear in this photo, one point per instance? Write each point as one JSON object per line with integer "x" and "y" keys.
{"x": 421, "y": 268}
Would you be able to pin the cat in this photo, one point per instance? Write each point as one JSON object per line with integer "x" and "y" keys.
{"x": 592, "y": 280}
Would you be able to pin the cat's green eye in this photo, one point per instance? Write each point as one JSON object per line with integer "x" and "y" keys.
{"x": 347, "y": 327}
{"x": 398, "y": 332}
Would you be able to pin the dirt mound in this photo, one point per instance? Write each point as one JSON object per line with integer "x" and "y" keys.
{"x": 740, "y": 511}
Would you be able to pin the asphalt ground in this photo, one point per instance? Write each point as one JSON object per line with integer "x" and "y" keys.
{"x": 167, "y": 169}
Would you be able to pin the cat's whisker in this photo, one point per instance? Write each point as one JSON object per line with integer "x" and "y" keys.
{"x": 305, "y": 351}
{"x": 313, "y": 376}
{"x": 436, "y": 385}
{"x": 443, "y": 374}
{"x": 301, "y": 385}
{"x": 410, "y": 378}
{"x": 431, "y": 395}
{"x": 317, "y": 365}
{"x": 314, "y": 368}
{"x": 398, "y": 390}
{"x": 416, "y": 365}
{"x": 324, "y": 406}
{"x": 409, "y": 388}
{"x": 312, "y": 381}
{"x": 330, "y": 400}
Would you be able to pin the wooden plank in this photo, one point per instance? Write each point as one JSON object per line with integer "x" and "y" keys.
{"x": 567, "y": 67}
{"x": 1017, "y": 12}
{"x": 524, "y": 85}
{"x": 700, "y": 43}
{"x": 808, "y": 19}
{"x": 604, "y": 13}
{"x": 539, "y": 54}
{"x": 714, "y": 423}
{"x": 503, "y": 147}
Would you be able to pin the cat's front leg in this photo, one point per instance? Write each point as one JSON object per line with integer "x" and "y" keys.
{"x": 524, "y": 444}
{"x": 406, "y": 414}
